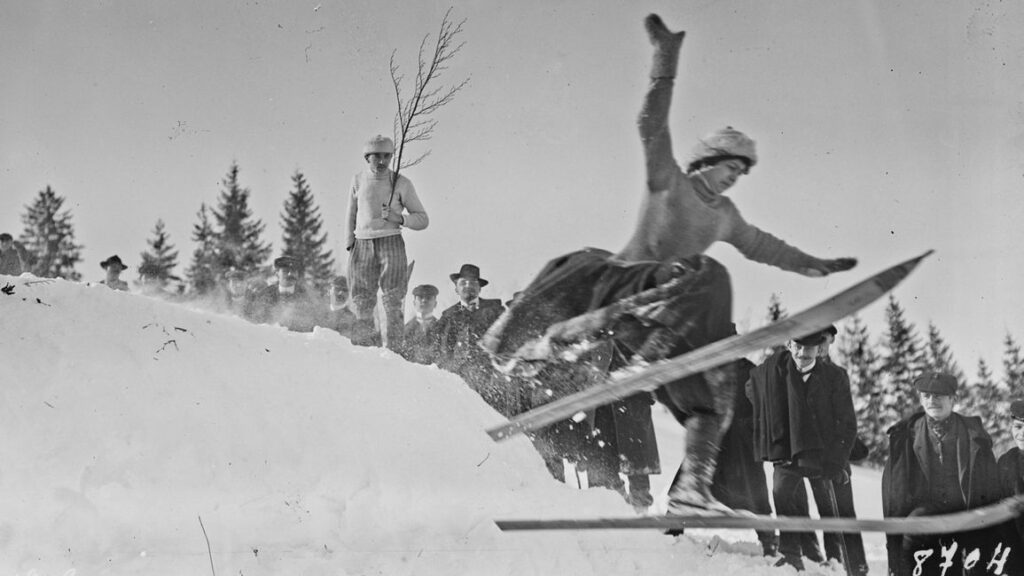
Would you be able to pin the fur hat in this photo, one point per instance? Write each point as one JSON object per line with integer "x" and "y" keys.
{"x": 936, "y": 383}
{"x": 468, "y": 271}
{"x": 723, "y": 144}
{"x": 378, "y": 144}
{"x": 115, "y": 259}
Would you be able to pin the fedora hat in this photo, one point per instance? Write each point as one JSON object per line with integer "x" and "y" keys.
{"x": 115, "y": 259}
{"x": 469, "y": 271}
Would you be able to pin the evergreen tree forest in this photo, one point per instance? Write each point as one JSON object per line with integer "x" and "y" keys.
{"x": 49, "y": 237}
{"x": 303, "y": 239}
{"x": 160, "y": 260}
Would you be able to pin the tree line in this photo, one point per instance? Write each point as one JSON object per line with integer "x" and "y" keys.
{"x": 226, "y": 237}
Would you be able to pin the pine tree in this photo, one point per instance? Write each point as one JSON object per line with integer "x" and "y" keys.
{"x": 987, "y": 399}
{"x": 1013, "y": 367}
{"x": 237, "y": 235}
{"x": 856, "y": 354}
{"x": 776, "y": 312}
{"x": 158, "y": 263}
{"x": 903, "y": 360}
{"x": 49, "y": 237}
{"x": 939, "y": 358}
{"x": 202, "y": 273}
{"x": 303, "y": 241}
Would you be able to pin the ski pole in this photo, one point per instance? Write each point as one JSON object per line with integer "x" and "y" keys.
{"x": 840, "y": 536}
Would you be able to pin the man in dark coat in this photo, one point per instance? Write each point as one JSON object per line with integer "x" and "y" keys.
{"x": 804, "y": 422}
{"x": 419, "y": 331}
{"x": 14, "y": 258}
{"x": 458, "y": 331}
{"x": 287, "y": 303}
{"x": 939, "y": 462}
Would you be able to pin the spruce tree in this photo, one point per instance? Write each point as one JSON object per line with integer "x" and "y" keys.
{"x": 202, "y": 273}
{"x": 1013, "y": 367}
{"x": 49, "y": 237}
{"x": 987, "y": 399}
{"x": 237, "y": 234}
{"x": 860, "y": 359}
{"x": 903, "y": 360}
{"x": 302, "y": 239}
{"x": 939, "y": 357}
{"x": 159, "y": 261}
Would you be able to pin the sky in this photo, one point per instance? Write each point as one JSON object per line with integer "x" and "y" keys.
{"x": 883, "y": 129}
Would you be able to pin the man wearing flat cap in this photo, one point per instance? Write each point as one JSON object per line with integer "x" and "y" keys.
{"x": 288, "y": 302}
{"x": 805, "y": 424}
{"x": 114, "y": 267}
{"x": 460, "y": 328}
{"x": 1011, "y": 463}
{"x": 939, "y": 462}
{"x": 381, "y": 203}
{"x": 340, "y": 317}
{"x": 419, "y": 331}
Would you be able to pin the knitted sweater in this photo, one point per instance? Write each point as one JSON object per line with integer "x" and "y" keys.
{"x": 685, "y": 219}
{"x": 369, "y": 193}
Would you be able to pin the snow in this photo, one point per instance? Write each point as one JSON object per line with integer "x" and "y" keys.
{"x": 133, "y": 430}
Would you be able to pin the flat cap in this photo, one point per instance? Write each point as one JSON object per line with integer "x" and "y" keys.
{"x": 936, "y": 383}
{"x": 1017, "y": 409}
{"x": 425, "y": 291}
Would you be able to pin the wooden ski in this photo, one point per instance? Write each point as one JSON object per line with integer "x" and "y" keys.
{"x": 715, "y": 354}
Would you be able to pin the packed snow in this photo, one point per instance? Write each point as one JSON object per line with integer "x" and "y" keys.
{"x": 139, "y": 436}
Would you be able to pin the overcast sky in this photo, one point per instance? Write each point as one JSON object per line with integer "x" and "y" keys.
{"x": 884, "y": 129}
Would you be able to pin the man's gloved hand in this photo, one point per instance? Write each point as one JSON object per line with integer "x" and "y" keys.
{"x": 826, "y": 267}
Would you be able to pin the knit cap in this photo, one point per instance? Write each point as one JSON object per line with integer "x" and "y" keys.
{"x": 724, "y": 142}
{"x": 378, "y": 144}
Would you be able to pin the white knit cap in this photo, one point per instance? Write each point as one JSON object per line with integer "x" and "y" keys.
{"x": 378, "y": 144}
{"x": 724, "y": 142}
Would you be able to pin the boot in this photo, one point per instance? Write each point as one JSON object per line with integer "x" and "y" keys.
{"x": 666, "y": 47}
{"x": 691, "y": 490}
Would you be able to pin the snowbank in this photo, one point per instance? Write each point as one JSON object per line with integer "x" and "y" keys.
{"x": 132, "y": 430}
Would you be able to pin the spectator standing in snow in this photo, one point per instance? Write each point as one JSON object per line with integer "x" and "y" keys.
{"x": 13, "y": 256}
{"x": 1011, "y": 463}
{"x": 682, "y": 215}
{"x": 939, "y": 462}
{"x": 458, "y": 330}
{"x": 341, "y": 319}
{"x": 287, "y": 302}
{"x": 419, "y": 331}
{"x": 804, "y": 422}
{"x": 381, "y": 203}
{"x": 114, "y": 267}
{"x": 235, "y": 291}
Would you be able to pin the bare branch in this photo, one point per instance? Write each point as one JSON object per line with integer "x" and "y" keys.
{"x": 411, "y": 123}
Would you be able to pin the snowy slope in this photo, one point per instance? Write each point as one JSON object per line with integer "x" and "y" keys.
{"x": 124, "y": 420}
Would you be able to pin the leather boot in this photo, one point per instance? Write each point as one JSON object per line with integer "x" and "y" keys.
{"x": 666, "y": 47}
{"x": 691, "y": 490}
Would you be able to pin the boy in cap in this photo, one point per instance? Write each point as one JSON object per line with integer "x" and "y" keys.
{"x": 341, "y": 318}
{"x": 682, "y": 214}
{"x": 939, "y": 462}
{"x": 114, "y": 267}
{"x": 288, "y": 302}
{"x": 381, "y": 203}
{"x": 419, "y": 336}
{"x": 805, "y": 424}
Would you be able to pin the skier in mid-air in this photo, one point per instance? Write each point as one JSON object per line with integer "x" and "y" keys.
{"x": 593, "y": 293}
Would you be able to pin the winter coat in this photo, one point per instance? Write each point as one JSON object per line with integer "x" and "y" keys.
{"x": 905, "y": 481}
{"x": 455, "y": 337}
{"x": 419, "y": 341}
{"x": 14, "y": 260}
{"x": 1011, "y": 479}
{"x": 297, "y": 311}
{"x": 811, "y": 423}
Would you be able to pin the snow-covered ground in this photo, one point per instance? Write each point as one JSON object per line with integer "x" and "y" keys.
{"x": 143, "y": 437}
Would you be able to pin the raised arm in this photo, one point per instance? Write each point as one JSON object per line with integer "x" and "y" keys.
{"x": 653, "y": 120}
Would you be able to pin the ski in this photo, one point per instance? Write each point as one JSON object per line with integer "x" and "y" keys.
{"x": 947, "y": 523}
{"x": 715, "y": 354}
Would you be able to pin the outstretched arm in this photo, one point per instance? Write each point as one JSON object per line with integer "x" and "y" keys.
{"x": 760, "y": 246}
{"x": 653, "y": 121}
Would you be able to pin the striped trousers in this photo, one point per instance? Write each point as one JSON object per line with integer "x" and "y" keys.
{"x": 372, "y": 264}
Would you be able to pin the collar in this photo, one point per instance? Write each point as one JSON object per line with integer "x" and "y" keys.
{"x": 703, "y": 190}
{"x": 805, "y": 371}
{"x": 283, "y": 290}
{"x": 472, "y": 305}
{"x": 426, "y": 319}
